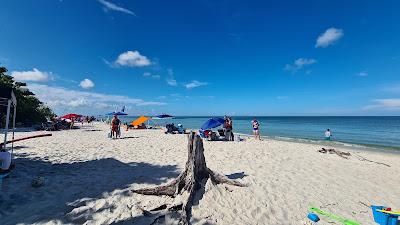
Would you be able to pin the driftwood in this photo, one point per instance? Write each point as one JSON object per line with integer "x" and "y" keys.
{"x": 188, "y": 182}
{"x": 344, "y": 154}
{"x": 359, "y": 157}
{"x": 337, "y": 152}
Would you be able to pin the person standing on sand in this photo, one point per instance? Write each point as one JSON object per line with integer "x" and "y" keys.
{"x": 71, "y": 126}
{"x": 328, "y": 135}
{"x": 228, "y": 126}
{"x": 256, "y": 130}
{"x": 115, "y": 127}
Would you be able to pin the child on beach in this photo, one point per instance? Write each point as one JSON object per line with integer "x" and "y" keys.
{"x": 328, "y": 135}
{"x": 256, "y": 130}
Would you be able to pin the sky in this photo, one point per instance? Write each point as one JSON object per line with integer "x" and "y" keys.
{"x": 206, "y": 57}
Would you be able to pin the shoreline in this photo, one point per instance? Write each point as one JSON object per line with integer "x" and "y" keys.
{"x": 332, "y": 143}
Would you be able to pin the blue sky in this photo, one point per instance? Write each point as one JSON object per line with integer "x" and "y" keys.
{"x": 206, "y": 57}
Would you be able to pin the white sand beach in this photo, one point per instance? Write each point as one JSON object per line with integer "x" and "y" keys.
{"x": 89, "y": 178}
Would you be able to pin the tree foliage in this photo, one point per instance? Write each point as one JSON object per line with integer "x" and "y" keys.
{"x": 30, "y": 109}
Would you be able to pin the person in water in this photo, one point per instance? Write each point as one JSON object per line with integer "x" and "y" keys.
{"x": 115, "y": 127}
{"x": 328, "y": 135}
{"x": 256, "y": 130}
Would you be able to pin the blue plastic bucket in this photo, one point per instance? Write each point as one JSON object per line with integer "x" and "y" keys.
{"x": 313, "y": 217}
{"x": 383, "y": 218}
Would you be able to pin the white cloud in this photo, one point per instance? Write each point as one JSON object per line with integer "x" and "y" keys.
{"x": 171, "y": 80}
{"x": 302, "y": 62}
{"x": 299, "y": 63}
{"x": 62, "y": 97}
{"x": 195, "y": 84}
{"x": 154, "y": 76}
{"x": 362, "y": 74}
{"x": 384, "y": 104}
{"x": 329, "y": 37}
{"x": 132, "y": 59}
{"x": 111, "y": 6}
{"x": 86, "y": 84}
{"x": 32, "y": 75}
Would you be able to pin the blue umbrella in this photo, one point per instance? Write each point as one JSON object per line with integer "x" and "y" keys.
{"x": 212, "y": 123}
{"x": 117, "y": 114}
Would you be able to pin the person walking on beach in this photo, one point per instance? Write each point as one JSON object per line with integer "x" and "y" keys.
{"x": 256, "y": 130}
{"x": 115, "y": 127}
{"x": 328, "y": 135}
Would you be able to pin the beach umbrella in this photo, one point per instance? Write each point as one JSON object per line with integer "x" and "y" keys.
{"x": 116, "y": 114}
{"x": 163, "y": 116}
{"x": 71, "y": 116}
{"x": 212, "y": 123}
{"x": 140, "y": 120}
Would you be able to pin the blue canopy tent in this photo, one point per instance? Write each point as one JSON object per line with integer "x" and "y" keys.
{"x": 213, "y": 123}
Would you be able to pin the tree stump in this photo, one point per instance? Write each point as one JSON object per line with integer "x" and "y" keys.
{"x": 190, "y": 180}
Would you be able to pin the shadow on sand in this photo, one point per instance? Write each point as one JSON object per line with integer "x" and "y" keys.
{"x": 130, "y": 137}
{"x": 68, "y": 183}
{"x": 235, "y": 176}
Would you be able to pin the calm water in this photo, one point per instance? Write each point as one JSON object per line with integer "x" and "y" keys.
{"x": 371, "y": 131}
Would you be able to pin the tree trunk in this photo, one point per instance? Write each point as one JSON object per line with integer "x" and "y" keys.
{"x": 190, "y": 180}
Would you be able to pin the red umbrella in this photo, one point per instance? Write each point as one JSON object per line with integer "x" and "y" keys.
{"x": 71, "y": 116}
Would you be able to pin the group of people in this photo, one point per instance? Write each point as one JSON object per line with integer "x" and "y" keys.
{"x": 228, "y": 128}
{"x": 87, "y": 119}
{"x": 172, "y": 129}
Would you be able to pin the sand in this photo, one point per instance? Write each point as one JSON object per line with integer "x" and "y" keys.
{"x": 88, "y": 178}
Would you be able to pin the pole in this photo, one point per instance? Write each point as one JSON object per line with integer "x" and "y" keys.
{"x": 6, "y": 128}
{"x": 13, "y": 131}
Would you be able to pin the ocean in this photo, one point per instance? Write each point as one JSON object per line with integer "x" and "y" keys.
{"x": 363, "y": 131}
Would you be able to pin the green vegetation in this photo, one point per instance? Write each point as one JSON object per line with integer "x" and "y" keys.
{"x": 29, "y": 109}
